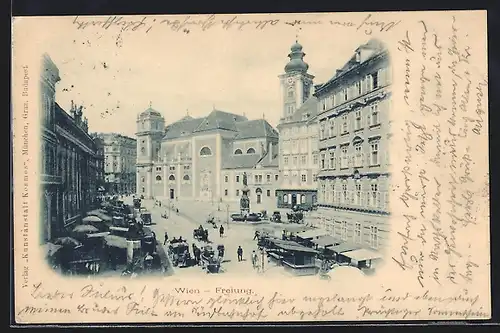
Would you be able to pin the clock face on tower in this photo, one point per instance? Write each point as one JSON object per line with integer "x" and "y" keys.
{"x": 290, "y": 80}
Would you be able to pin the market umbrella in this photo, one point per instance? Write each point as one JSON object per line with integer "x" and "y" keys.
{"x": 91, "y": 218}
{"x": 50, "y": 249}
{"x": 85, "y": 228}
{"x": 67, "y": 241}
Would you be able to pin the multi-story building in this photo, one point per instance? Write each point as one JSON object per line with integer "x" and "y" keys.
{"x": 120, "y": 154}
{"x": 68, "y": 160}
{"x": 191, "y": 158}
{"x": 262, "y": 177}
{"x": 77, "y": 165}
{"x": 298, "y": 162}
{"x": 100, "y": 177}
{"x": 49, "y": 177}
{"x": 354, "y": 132}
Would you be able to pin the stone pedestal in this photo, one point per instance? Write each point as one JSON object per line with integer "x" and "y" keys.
{"x": 245, "y": 201}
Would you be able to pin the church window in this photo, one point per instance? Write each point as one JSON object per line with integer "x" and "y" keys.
{"x": 158, "y": 178}
{"x": 143, "y": 150}
{"x": 205, "y": 151}
{"x": 238, "y": 152}
{"x": 142, "y": 179}
{"x": 171, "y": 178}
{"x": 251, "y": 151}
{"x": 291, "y": 92}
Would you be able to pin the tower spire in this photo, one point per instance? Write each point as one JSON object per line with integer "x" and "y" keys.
{"x": 150, "y": 104}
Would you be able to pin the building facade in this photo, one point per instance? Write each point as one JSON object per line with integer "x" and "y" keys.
{"x": 120, "y": 155}
{"x": 262, "y": 178}
{"x": 77, "y": 165}
{"x": 298, "y": 162}
{"x": 69, "y": 165}
{"x": 49, "y": 176}
{"x": 354, "y": 132}
{"x": 100, "y": 176}
{"x": 190, "y": 158}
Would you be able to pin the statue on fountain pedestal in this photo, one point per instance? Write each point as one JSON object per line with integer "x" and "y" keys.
{"x": 245, "y": 200}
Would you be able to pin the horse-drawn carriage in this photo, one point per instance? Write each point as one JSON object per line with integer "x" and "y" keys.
{"x": 295, "y": 217}
{"x": 200, "y": 234}
{"x": 209, "y": 261}
{"x": 179, "y": 254}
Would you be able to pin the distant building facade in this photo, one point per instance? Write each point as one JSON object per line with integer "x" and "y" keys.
{"x": 120, "y": 154}
{"x": 50, "y": 177}
{"x": 190, "y": 158}
{"x": 354, "y": 132}
{"x": 69, "y": 165}
{"x": 298, "y": 147}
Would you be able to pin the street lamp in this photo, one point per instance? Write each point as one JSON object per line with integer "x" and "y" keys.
{"x": 227, "y": 212}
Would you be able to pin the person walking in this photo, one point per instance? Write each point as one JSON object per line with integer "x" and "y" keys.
{"x": 255, "y": 260}
{"x": 256, "y": 235}
{"x": 166, "y": 238}
{"x": 221, "y": 231}
{"x": 240, "y": 253}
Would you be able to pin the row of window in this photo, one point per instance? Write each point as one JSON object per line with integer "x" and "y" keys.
{"x": 353, "y": 230}
{"x": 295, "y": 160}
{"x": 249, "y": 151}
{"x": 296, "y": 144}
{"x": 172, "y": 168}
{"x": 367, "y": 84}
{"x": 331, "y": 127}
{"x": 287, "y": 132}
{"x": 257, "y": 178}
{"x": 351, "y": 158}
{"x": 303, "y": 177}
{"x": 334, "y": 194}
{"x": 47, "y": 107}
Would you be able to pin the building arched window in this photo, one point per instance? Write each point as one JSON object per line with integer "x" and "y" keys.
{"x": 186, "y": 177}
{"x": 171, "y": 178}
{"x": 158, "y": 178}
{"x": 238, "y": 152}
{"x": 143, "y": 150}
{"x": 285, "y": 198}
{"x": 205, "y": 151}
{"x": 291, "y": 92}
{"x": 250, "y": 151}
{"x": 258, "y": 190}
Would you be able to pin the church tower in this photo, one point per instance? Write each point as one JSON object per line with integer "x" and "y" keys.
{"x": 150, "y": 131}
{"x": 296, "y": 83}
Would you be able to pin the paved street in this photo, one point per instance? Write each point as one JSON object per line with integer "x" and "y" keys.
{"x": 191, "y": 215}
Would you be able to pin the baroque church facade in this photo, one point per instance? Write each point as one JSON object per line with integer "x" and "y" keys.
{"x": 204, "y": 158}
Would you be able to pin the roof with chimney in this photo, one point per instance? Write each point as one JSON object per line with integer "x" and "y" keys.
{"x": 362, "y": 55}
{"x": 220, "y": 120}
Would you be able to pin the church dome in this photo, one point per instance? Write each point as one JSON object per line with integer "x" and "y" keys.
{"x": 150, "y": 111}
{"x": 296, "y": 63}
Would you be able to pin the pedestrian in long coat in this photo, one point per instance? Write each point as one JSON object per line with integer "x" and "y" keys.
{"x": 221, "y": 231}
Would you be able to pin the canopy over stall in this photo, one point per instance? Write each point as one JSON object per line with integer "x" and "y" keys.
{"x": 362, "y": 254}
{"x": 296, "y": 228}
{"x": 311, "y": 234}
{"x": 345, "y": 247}
{"x": 326, "y": 241}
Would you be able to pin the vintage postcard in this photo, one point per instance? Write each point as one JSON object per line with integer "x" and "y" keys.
{"x": 251, "y": 168}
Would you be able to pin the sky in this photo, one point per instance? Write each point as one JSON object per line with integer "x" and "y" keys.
{"x": 179, "y": 73}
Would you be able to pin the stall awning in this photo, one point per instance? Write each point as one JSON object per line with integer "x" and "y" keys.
{"x": 116, "y": 241}
{"x": 362, "y": 254}
{"x": 296, "y": 248}
{"x": 296, "y": 228}
{"x": 310, "y": 234}
{"x": 345, "y": 247}
{"x": 326, "y": 241}
{"x": 99, "y": 234}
